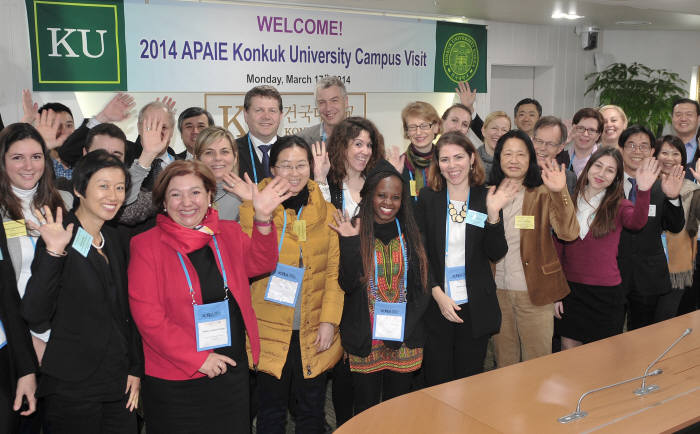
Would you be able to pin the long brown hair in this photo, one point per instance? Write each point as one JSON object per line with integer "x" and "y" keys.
{"x": 46, "y": 193}
{"x": 606, "y": 214}
{"x": 414, "y": 246}
{"x": 338, "y": 142}
{"x": 477, "y": 175}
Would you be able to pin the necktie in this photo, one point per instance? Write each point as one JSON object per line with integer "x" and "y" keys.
{"x": 633, "y": 192}
{"x": 265, "y": 159}
{"x": 150, "y": 180}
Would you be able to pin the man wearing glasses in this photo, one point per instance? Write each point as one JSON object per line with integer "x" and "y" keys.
{"x": 587, "y": 127}
{"x": 549, "y": 138}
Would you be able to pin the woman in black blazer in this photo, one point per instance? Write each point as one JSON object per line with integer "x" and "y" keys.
{"x": 93, "y": 362}
{"x": 458, "y": 207}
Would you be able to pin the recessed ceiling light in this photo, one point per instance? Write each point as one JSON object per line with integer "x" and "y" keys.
{"x": 565, "y": 16}
{"x": 632, "y": 23}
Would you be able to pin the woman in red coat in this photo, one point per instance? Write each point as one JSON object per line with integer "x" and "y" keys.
{"x": 190, "y": 298}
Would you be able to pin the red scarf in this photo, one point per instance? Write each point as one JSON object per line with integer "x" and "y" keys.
{"x": 186, "y": 240}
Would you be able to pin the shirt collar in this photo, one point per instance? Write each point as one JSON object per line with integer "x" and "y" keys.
{"x": 257, "y": 142}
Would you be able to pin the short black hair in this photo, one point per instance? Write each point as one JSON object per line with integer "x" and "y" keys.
{"x": 636, "y": 129}
{"x": 288, "y": 142}
{"x": 191, "y": 112}
{"x": 92, "y": 162}
{"x": 524, "y": 101}
{"x": 57, "y": 107}
{"x": 532, "y": 176}
{"x": 686, "y": 101}
{"x": 105, "y": 129}
{"x": 674, "y": 141}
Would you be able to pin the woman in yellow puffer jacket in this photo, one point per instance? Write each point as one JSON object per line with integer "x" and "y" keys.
{"x": 298, "y": 306}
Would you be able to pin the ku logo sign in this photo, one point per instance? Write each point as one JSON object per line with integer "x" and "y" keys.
{"x": 63, "y": 43}
{"x": 77, "y": 44}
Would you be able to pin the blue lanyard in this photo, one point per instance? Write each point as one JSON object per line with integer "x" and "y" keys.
{"x": 405, "y": 263}
{"x": 223, "y": 272}
{"x": 284, "y": 228}
{"x": 252, "y": 160}
{"x": 447, "y": 230}
{"x": 324, "y": 136}
{"x": 410, "y": 175}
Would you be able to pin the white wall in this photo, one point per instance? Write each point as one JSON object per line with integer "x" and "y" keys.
{"x": 554, "y": 51}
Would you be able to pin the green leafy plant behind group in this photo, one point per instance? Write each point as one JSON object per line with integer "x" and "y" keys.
{"x": 645, "y": 94}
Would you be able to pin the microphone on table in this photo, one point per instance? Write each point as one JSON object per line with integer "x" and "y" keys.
{"x": 652, "y": 387}
{"x": 578, "y": 414}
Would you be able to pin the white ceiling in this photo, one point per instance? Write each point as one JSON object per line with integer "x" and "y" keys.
{"x": 663, "y": 14}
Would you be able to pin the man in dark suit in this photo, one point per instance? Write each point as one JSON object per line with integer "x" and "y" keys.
{"x": 192, "y": 120}
{"x": 263, "y": 113}
{"x": 641, "y": 257}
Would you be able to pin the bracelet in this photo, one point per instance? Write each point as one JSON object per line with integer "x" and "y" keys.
{"x": 262, "y": 223}
{"x": 56, "y": 254}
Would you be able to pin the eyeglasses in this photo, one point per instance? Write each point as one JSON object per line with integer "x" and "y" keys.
{"x": 591, "y": 131}
{"x": 286, "y": 168}
{"x": 540, "y": 142}
{"x": 635, "y": 147}
{"x": 423, "y": 127}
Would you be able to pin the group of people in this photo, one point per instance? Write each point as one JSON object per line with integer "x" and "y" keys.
{"x": 227, "y": 284}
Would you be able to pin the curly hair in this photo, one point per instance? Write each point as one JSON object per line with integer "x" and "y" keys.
{"x": 337, "y": 146}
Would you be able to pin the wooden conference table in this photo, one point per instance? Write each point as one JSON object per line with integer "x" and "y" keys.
{"x": 529, "y": 397}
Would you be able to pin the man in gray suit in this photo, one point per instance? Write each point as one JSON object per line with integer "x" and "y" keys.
{"x": 332, "y": 101}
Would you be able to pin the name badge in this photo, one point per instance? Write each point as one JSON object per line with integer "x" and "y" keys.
{"x": 299, "y": 228}
{"x": 82, "y": 242}
{"x": 664, "y": 243}
{"x": 476, "y": 218}
{"x": 456, "y": 283}
{"x": 524, "y": 222}
{"x": 213, "y": 325}
{"x": 284, "y": 285}
{"x": 652, "y": 210}
{"x": 412, "y": 187}
{"x": 389, "y": 321}
{"x": 15, "y": 228}
{"x": 3, "y": 336}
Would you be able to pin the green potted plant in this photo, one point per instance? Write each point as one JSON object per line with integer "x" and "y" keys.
{"x": 645, "y": 94}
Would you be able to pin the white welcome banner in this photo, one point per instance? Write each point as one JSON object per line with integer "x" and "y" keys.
{"x": 195, "y": 47}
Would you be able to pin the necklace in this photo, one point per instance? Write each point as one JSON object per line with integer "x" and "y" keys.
{"x": 457, "y": 217}
{"x": 102, "y": 243}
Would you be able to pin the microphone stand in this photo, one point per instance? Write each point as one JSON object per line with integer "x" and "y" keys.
{"x": 578, "y": 414}
{"x": 652, "y": 387}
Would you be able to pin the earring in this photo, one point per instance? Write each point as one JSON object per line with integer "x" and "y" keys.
{"x": 165, "y": 209}
{"x": 209, "y": 204}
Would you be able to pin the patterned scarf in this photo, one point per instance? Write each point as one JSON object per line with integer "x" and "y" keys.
{"x": 417, "y": 163}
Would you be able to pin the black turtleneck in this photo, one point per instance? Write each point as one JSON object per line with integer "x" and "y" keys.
{"x": 296, "y": 202}
{"x": 385, "y": 232}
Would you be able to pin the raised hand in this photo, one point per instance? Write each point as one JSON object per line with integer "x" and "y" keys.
{"x": 169, "y": 103}
{"x": 647, "y": 174}
{"x": 343, "y": 224}
{"x": 241, "y": 188}
{"x": 554, "y": 176}
{"x": 265, "y": 201}
{"x": 31, "y": 109}
{"x": 47, "y": 124}
{"x": 52, "y": 231}
{"x": 215, "y": 364}
{"x": 396, "y": 158}
{"x": 117, "y": 109}
{"x": 467, "y": 96}
{"x": 671, "y": 184}
{"x": 497, "y": 198}
{"x": 152, "y": 140}
{"x": 696, "y": 172}
{"x": 322, "y": 164}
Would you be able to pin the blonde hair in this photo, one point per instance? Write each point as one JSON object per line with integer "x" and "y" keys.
{"x": 422, "y": 110}
{"x": 495, "y": 115}
{"x": 210, "y": 135}
{"x": 614, "y": 107}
